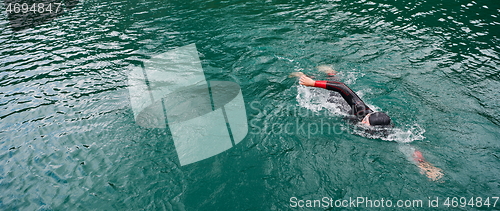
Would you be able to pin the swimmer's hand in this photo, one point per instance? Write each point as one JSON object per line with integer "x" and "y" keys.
{"x": 306, "y": 81}
{"x": 430, "y": 171}
{"x": 296, "y": 74}
{"x": 326, "y": 69}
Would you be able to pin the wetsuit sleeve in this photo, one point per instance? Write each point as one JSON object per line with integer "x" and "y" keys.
{"x": 359, "y": 108}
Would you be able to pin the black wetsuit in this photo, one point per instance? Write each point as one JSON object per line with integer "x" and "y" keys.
{"x": 358, "y": 107}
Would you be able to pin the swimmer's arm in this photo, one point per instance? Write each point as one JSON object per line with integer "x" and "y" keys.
{"x": 334, "y": 86}
{"x": 349, "y": 96}
{"x": 427, "y": 168}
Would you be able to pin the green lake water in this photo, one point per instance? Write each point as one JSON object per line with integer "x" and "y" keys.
{"x": 69, "y": 141}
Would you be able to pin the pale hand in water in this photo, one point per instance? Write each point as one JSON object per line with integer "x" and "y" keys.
{"x": 430, "y": 171}
{"x": 326, "y": 69}
{"x": 296, "y": 74}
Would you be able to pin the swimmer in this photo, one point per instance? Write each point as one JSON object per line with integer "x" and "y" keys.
{"x": 363, "y": 113}
{"x": 368, "y": 117}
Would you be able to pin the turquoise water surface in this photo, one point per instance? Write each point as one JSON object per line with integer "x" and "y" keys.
{"x": 69, "y": 140}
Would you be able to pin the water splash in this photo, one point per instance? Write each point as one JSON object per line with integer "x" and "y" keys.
{"x": 316, "y": 100}
{"x": 350, "y": 77}
{"x": 402, "y": 134}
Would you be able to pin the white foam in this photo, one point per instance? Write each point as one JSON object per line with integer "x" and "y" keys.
{"x": 315, "y": 100}
{"x": 350, "y": 77}
{"x": 405, "y": 134}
